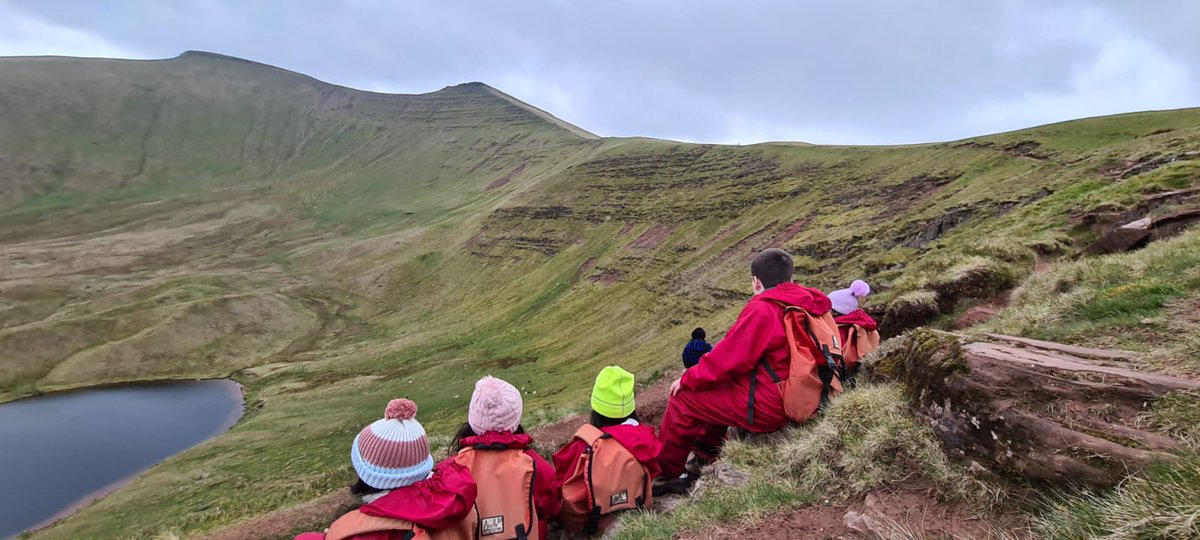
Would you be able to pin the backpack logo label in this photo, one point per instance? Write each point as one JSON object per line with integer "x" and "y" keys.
{"x": 492, "y": 525}
{"x": 620, "y": 497}
{"x": 835, "y": 342}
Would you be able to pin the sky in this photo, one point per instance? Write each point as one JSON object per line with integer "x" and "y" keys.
{"x": 828, "y": 72}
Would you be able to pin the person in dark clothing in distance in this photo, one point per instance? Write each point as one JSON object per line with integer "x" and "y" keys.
{"x": 695, "y": 348}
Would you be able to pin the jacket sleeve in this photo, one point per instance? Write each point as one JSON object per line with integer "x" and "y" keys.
{"x": 739, "y": 352}
{"x": 564, "y": 462}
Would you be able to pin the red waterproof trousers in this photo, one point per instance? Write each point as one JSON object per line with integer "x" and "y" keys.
{"x": 697, "y": 419}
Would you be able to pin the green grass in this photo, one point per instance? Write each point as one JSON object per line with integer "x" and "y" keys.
{"x": 1146, "y": 300}
{"x": 720, "y": 506}
{"x": 1178, "y": 413}
{"x": 371, "y": 216}
{"x": 1163, "y": 502}
{"x": 867, "y": 438}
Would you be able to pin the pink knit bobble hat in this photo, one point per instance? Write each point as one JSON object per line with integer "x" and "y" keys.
{"x": 846, "y": 300}
{"x": 495, "y": 406}
{"x": 392, "y": 452}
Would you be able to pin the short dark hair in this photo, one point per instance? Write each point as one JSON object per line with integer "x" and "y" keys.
{"x": 772, "y": 267}
{"x": 699, "y": 334}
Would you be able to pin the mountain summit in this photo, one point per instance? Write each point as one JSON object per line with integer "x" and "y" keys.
{"x": 332, "y": 249}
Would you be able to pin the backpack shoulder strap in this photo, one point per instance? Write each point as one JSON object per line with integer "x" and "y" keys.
{"x": 355, "y": 523}
{"x": 589, "y": 434}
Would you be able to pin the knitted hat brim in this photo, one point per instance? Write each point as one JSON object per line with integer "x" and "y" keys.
{"x": 389, "y": 478}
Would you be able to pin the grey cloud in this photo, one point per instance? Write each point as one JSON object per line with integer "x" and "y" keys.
{"x": 870, "y": 71}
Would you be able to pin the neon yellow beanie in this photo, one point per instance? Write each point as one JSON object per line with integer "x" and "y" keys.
{"x": 612, "y": 396}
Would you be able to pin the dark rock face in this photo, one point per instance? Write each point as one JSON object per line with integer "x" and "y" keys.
{"x": 1158, "y": 216}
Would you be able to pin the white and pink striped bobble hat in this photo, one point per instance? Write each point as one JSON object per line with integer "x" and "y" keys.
{"x": 392, "y": 452}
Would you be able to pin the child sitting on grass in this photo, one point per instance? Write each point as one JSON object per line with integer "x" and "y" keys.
{"x": 403, "y": 494}
{"x": 695, "y": 348}
{"x": 859, "y": 332}
{"x": 517, "y": 496}
{"x": 610, "y": 463}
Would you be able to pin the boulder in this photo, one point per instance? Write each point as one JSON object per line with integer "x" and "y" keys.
{"x": 1022, "y": 408}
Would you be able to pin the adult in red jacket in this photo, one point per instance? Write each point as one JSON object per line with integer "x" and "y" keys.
{"x": 715, "y": 394}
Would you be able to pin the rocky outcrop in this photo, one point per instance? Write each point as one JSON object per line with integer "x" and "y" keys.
{"x": 1157, "y": 216}
{"x": 1030, "y": 409}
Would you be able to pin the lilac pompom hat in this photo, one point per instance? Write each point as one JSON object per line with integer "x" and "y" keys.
{"x": 846, "y": 300}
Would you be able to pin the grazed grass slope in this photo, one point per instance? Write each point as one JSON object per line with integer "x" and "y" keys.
{"x": 331, "y": 248}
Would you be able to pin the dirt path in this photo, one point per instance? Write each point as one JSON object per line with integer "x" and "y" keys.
{"x": 282, "y": 522}
{"x": 993, "y": 306}
{"x": 907, "y": 511}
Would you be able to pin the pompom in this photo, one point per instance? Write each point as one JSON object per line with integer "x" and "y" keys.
{"x": 860, "y": 288}
{"x": 400, "y": 409}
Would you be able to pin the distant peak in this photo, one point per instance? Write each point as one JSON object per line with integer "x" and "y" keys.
{"x": 219, "y": 56}
{"x": 578, "y": 131}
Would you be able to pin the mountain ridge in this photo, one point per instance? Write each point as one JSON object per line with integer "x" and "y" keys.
{"x": 331, "y": 249}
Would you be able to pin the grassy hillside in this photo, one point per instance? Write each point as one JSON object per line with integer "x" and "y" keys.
{"x": 330, "y": 248}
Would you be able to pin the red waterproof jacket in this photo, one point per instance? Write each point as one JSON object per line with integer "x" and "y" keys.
{"x": 435, "y": 503}
{"x": 546, "y": 496}
{"x": 756, "y": 335}
{"x": 859, "y": 317}
{"x": 639, "y": 440}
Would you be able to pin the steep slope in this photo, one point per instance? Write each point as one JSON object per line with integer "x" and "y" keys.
{"x": 331, "y": 248}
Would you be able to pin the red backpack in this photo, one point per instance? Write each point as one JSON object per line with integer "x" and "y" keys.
{"x": 859, "y": 342}
{"x": 816, "y": 366}
{"x": 607, "y": 478}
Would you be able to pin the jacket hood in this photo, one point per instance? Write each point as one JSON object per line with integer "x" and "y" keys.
{"x": 697, "y": 345}
{"x": 435, "y": 503}
{"x": 499, "y": 438}
{"x": 858, "y": 317}
{"x": 639, "y": 440}
{"x": 807, "y": 298}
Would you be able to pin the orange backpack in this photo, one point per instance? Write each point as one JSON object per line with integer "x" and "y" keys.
{"x": 816, "y": 368}
{"x": 504, "y": 478}
{"x": 355, "y": 523}
{"x": 607, "y": 478}
{"x": 859, "y": 343}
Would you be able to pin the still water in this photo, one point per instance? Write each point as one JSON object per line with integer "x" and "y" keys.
{"x": 61, "y": 450}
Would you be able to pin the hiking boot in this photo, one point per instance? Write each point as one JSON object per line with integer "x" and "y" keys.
{"x": 673, "y": 486}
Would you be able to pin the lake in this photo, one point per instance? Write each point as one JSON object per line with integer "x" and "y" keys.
{"x": 61, "y": 450}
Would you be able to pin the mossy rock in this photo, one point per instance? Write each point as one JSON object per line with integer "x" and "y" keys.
{"x": 1039, "y": 411}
